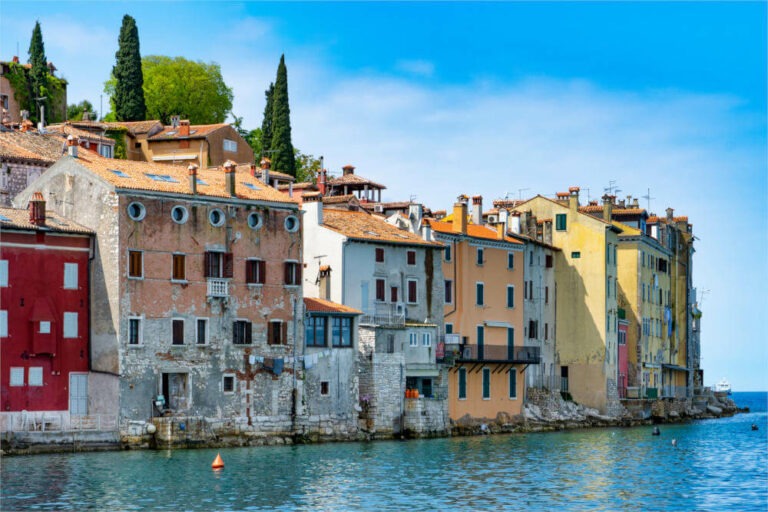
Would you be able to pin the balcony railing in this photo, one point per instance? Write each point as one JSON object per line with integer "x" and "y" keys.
{"x": 500, "y": 354}
{"x": 385, "y": 314}
{"x": 218, "y": 287}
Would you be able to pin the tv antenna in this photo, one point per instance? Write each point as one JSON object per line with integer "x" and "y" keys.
{"x": 612, "y": 189}
{"x": 702, "y": 293}
{"x": 520, "y": 192}
{"x": 648, "y": 198}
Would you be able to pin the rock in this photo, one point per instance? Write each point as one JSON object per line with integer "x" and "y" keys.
{"x": 717, "y": 411}
{"x": 674, "y": 414}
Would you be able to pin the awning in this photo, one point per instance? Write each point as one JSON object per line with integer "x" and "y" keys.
{"x": 174, "y": 156}
{"x": 421, "y": 370}
{"x": 674, "y": 367}
{"x": 506, "y": 325}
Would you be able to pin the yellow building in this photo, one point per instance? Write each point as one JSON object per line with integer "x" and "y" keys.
{"x": 587, "y": 313}
{"x": 483, "y": 271}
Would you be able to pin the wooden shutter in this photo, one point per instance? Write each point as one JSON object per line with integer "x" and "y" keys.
{"x": 380, "y": 290}
{"x": 178, "y": 332}
{"x": 229, "y": 264}
{"x": 210, "y": 259}
{"x": 179, "y": 272}
{"x": 297, "y": 274}
{"x": 262, "y": 277}
{"x": 412, "y": 295}
{"x": 250, "y": 266}
{"x": 248, "y": 327}
{"x": 270, "y": 333}
{"x": 287, "y": 273}
{"x": 284, "y": 333}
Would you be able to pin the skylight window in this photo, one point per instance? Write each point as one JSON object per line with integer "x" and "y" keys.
{"x": 201, "y": 182}
{"x": 192, "y": 132}
{"x": 171, "y": 133}
{"x": 3, "y": 218}
{"x": 119, "y": 173}
{"x": 161, "y": 177}
{"x": 371, "y": 233}
{"x": 250, "y": 186}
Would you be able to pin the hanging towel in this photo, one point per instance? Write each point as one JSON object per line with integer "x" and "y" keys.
{"x": 278, "y": 367}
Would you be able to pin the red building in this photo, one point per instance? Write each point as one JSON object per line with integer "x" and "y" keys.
{"x": 44, "y": 315}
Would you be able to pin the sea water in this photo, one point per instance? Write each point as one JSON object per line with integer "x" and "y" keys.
{"x": 715, "y": 465}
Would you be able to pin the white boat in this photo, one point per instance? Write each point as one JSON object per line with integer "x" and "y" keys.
{"x": 723, "y": 386}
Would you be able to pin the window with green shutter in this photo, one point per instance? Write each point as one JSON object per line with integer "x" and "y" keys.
{"x": 462, "y": 383}
{"x": 513, "y": 383}
{"x": 561, "y": 221}
{"x": 486, "y": 383}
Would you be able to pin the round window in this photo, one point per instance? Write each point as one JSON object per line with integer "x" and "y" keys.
{"x": 291, "y": 224}
{"x": 136, "y": 211}
{"x": 216, "y": 217}
{"x": 179, "y": 214}
{"x": 254, "y": 220}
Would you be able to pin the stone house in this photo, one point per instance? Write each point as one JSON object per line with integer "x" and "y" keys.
{"x": 196, "y": 291}
{"x": 204, "y": 145}
{"x": 24, "y": 156}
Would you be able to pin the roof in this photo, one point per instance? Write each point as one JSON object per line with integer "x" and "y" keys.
{"x": 338, "y": 199}
{"x": 17, "y": 218}
{"x": 360, "y": 225}
{"x": 197, "y": 131}
{"x": 473, "y": 230}
{"x": 598, "y": 219}
{"x": 174, "y": 179}
{"x": 68, "y": 129}
{"x": 326, "y": 306}
{"x": 595, "y": 208}
{"x": 354, "y": 180}
{"x": 135, "y": 127}
{"x": 304, "y": 185}
{"x": 31, "y": 146}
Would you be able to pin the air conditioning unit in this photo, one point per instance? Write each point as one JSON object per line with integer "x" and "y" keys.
{"x": 400, "y": 308}
{"x": 378, "y": 208}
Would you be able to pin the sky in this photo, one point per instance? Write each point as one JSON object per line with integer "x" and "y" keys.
{"x": 665, "y": 101}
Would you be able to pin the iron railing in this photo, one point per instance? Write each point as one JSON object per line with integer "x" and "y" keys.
{"x": 500, "y": 354}
{"x": 29, "y": 421}
{"x": 385, "y": 314}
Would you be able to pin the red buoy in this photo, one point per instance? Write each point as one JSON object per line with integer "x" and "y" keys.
{"x": 217, "y": 462}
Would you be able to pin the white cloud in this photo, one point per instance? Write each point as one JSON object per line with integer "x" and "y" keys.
{"x": 416, "y": 67}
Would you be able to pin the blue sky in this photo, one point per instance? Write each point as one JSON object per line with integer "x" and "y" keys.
{"x": 439, "y": 99}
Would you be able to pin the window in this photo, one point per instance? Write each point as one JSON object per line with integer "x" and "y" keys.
{"x": 608, "y": 253}
{"x": 510, "y": 260}
{"x": 202, "y": 331}
{"x": 576, "y": 255}
{"x": 70, "y": 325}
{"x": 241, "y": 332}
{"x": 315, "y": 328}
{"x": 510, "y": 343}
{"x": 480, "y": 342}
{"x": 448, "y": 328}
{"x": 549, "y": 261}
{"x": 546, "y": 295}
{"x": 255, "y": 271}
{"x": 292, "y": 273}
{"x": 413, "y": 290}
{"x": 410, "y": 257}
{"x": 216, "y": 217}
{"x": 426, "y": 339}
{"x": 179, "y": 270}
{"x": 530, "y": 290}
{"x": 462, "y": 383}
{"x": 17, "y": 376}
{"x": 44, "y": 327}
{"x": 325, "y": 388}
{"x": 178, "y": 331}
{"x": 136, "y": 264}
{"x": 448, "y": 291}
{"x": 561, "y": 221}
{"x": 341, "y": 331}
{"x": 3, "y": 324}
{"x": 134, "y": 331}
{"x": 230, "y": 145}
{"x": 105, "y": 151}
{"x": 254, "y": 221}
{"x": 447, "y": 253}
{"x": 513, "y": 384}
{"x": 70, "y": 276}
{"x": 291, "y": 224}
{"x": 36, "y": 376}
{"x": 486, "y": 383}
{"x": 479, "y": 259}
{"x": 393, "y": 293}
{"x": 228, "y": 383}
{"x": 479, "y": 294}
{"x": 530, "y": 259}
{"x": 136, "y": 211}
{"x": 546, "y": 331}
{"x": 413, "y": 339}
{"x": 379, "y": 255}
{"x": 277, "y": 333}
{"x": 380, "y": 293}
{"x": 510, "y": 296}
{"x": 533, "y": 329}
{"x": 179, "y": 214}
{"x": 218, "y": 264}
{"x": 4, "y": 273}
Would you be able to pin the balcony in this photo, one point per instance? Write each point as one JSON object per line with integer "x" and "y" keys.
{"x": 383, "y": 314}
{"x": 218, "y": 287}
{"x": 500, "y": 354}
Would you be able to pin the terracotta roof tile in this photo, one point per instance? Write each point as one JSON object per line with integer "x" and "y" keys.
{"x": 359, "y": 225}
{"x": 16, "y": 218}
{"x": 31, "y": 146}
{"x": 473, "y": 230}
{"x": 354, "y": 179}
{"x": 136, "y": 175}
{"x": 338, "y": 199}
{"x": 197, "y": 131}
{"x": 136, "y": 127}
{"x": 326, "y": 306}
{"x": 67, "y": 129}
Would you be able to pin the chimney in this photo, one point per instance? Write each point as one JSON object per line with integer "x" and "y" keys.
{"x": 229, "y": 174}
{"x": 516, "y": 222}
{"x": 573, "y": 199}
{"x": 265, "y": 164}
{"x": 477, "y": 210}
{"x": 192, "y": 178}
{"x": 460, "y": 215}
{"x": 504, "y": 217}
{"x": 547, "y": 232}
{"x": 37, "y": 209}
{"x": 72, "y": 146}
{"x": 501, "y": 230}
{"x": 348, "y": 169}
{"x": 415, "y": 213}
{"x": 670, "y": 214}
{"x": 607, "y": 208}
{"x": 15, "y": 59}
{"x": 313, "y": 206}
{"x": 253, "y": 170}
{"x": 321, "y": 181}
{"x": 184, "y": 128}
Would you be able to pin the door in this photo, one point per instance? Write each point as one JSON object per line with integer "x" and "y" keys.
{"x": 78, "y": 394}
{"x": 175, "y": 390}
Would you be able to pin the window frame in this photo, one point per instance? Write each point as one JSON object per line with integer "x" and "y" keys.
{"x": 448, "y": 253}
{"x": 512, "y": 378}
{"x": 448, "y": 291}
{"x": 244, "y": 338}
{"x": 480, "y": 256}
{"x": 413, "y": 339}
{"x": 479, "y": 293}
{"x": 426, "y": 339}
{"x": 175, "y": 258}
{"x": 410, "y": 258}
{"x": 135, "y": 264}
{"x": 291, "y": 273}
{"x": 380, "y": 285}
{"x": 344, "y": 321}
{"x": 255, "y": 271}
{"x": 510, "y": 261}
{"x": 378, "y": 254}
{"x": 142, "y": 211}
{"x": 486, "y": 388}
{"x": 184, "y": 214}
{"x": 312, "y": 325}
{"x": 69, "y": 334}
{"x": 3, "y": 323}
{"x": 138, "y": 321}
{"x": 224, "y": 378}
{"x": 177, "y": 329}
{"x": 280, "y": 333}
{"x": 412, "y": 295}
{"x": 229, "y": 145}
{"x": 17, "y": 371}
{"x": 461, "y": 383}
{"x": 36, "y": 373}
{"x": 561, "y": 222}
{"x": 510, "y": 303}
{"x": 72, "y": 274}
{"x": 206, "y": 331}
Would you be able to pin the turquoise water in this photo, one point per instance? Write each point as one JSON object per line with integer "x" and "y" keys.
{"x": 717, "y": 465}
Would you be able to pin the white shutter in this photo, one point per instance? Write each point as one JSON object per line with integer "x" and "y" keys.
{"x": 3, "y": 324}
{"x": 17, "y": 376}
{"x": 70, "y": 325}
{"x": 70, "y": 276}
{"x": 36, "y": 376}
{"x": 3, "y": 273}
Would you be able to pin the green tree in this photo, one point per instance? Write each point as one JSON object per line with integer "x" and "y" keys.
{"x": 266, "y": 124}
{"x": 128, "y": 98}
{"x": 75, "y": 111}
{"x": 38, "y": 73}
{"x": 282, "y": 155}
{"x": 193, "y": 90}
{"x": 306, "y": 166}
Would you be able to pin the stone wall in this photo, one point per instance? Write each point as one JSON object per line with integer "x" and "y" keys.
{"x": 426, "y": 417}
{"x": 382, "y": 384}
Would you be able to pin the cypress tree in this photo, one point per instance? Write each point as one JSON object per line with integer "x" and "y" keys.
{"x": 266, "y": 124}
{"x": 128, "y": 99}
{"x": 38, "y": 73}
{"x": 283, "y": 158}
